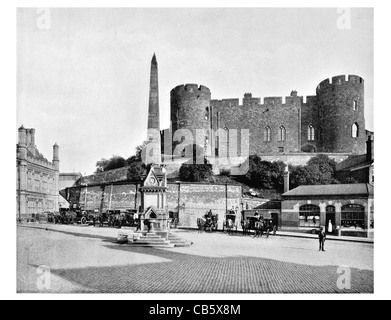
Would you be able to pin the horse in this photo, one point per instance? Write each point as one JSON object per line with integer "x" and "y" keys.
{"x": 229, "y": 225}
{"x": 245, "y": 226}
{"x": 201, "y": 224}
{"x": 259, "y": 228}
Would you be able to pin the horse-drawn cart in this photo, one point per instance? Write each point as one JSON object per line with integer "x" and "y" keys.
{"x": 259, "y": 226}
{"x": 208, "y": 223}
{"x": 230, "y": 222}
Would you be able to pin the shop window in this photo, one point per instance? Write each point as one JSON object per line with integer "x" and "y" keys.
{"x": 309, "y": 216}
{"x": 353, "y": 216}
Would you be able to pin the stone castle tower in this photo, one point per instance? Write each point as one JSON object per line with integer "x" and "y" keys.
{"x": 153, "y": 135}
{"x": 190, "y": 109}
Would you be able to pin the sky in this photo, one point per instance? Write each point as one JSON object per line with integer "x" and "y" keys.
{"x": 83, "y": 74}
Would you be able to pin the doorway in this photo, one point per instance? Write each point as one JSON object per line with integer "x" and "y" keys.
{"x": 274, "y": 216}
{"x": 330, "y": 216}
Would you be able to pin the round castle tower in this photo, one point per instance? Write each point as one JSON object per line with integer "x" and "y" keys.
{"x": 190, "y": 109}
{"x": 341, "y": 110}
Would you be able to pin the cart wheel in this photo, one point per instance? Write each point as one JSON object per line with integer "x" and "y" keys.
{"x": 83, "y": 221}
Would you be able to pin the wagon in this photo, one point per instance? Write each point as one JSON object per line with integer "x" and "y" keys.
{"x": 208, "y": 223}
{"x": 259, "y": 225}
{"x": 230, "y": 221}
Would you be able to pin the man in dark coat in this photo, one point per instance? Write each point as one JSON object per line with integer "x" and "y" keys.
{"x": 322, "y": 238}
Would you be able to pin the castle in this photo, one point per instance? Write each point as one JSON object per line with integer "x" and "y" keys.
{"x": 332, "y": 121}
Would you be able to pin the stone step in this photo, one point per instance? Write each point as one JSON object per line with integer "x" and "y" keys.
{"x": 151, "y": 240}
{"x": 149, "y": 245}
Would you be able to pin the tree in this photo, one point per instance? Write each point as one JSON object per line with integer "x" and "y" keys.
{"x": 318, "y": 170}
{"x": 193, "y": 170}
{"x": 136, "y": 165}
{"x": 114, "y": 162}
{"x": 196, "y": 172}
{"x": 264, "y": 174}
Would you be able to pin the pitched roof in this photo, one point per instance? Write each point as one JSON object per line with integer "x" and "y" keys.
{"x": 354, "y": 162}
{"x": 269, "y": 205}
{"x": 331, "y": 190}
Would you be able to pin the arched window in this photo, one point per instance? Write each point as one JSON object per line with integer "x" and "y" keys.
{"x": 353, "y": 216}
{"x": 281, "y": 134}
{"x": 267, "y": 135}
{"x": 311, "y": 133}
{"x": 355, "y": 130}
{"x": 309, "y": 216}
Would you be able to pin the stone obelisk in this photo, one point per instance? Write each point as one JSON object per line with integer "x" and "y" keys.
{"x": 154, "y": 146}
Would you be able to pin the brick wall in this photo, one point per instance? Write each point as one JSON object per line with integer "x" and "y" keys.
{"x": 192, "y": 201}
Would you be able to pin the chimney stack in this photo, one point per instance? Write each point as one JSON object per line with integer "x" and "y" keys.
{"x": 286, "y": 179}
{"x": 56, "y": 159}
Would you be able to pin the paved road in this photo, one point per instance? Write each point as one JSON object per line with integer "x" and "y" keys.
{"x": 88, "y": 260}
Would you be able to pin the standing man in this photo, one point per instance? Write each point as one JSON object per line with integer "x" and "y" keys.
{"x": 322, "y": 238}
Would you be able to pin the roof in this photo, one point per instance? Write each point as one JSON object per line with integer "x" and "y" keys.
{"x": 362, "y": 189}
{"x": 269, "y": 205}
{"x": 354, "y": 162}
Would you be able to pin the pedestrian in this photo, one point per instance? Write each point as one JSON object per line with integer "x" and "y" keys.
{"x": 322, "y": 238}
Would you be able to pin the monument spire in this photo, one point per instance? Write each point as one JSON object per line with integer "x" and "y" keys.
{"x": 153, "y": 112}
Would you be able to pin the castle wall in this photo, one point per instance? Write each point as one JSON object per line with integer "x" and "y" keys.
{"x": 330, "y": 113}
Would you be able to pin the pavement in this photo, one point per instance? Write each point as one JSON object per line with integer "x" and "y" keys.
{"x": 303, "y": 235}
{"x": 88, "y": 260}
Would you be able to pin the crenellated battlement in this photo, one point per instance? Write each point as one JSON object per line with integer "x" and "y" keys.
{"x": 340, "y": 80}
{"x": 191, "y": 88}
{"x": 39, "y": 162}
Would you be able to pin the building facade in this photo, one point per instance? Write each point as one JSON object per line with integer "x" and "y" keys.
{"x": 349, "y": 207}
{"x": 66, "y": 180}
{"x": 37, "y": 184}
{"x": 332, "y": 121}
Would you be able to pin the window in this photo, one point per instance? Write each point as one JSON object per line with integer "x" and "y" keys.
{"x": 29, "y": 180}
{"x": 281, "y": 134}
{"x": 227, "y": 137}
{"x": 355, "y": 130}
{"x": 281, "y": 149}
{"x": 207, "y": 113}
{"x": 309, "y": 216}
{"x": 51, "y": 183}
{"x": 267, "y": 134}
{"x": 311, "y": 133}
{"x": 355, "y": 105}
{"x": 30, "y": 207}
{"x": 353, "y": 216}
{"x": 320, "y": 133}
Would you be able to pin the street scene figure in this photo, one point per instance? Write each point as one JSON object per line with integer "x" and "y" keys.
{"x": 322, "y": 238}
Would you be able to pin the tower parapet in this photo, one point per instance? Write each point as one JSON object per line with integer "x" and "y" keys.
{"x": 341, "y": 109}
{"x": 190, "y": 109}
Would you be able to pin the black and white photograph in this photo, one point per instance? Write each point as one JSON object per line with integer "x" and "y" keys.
{"x": 195, "y": 150}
